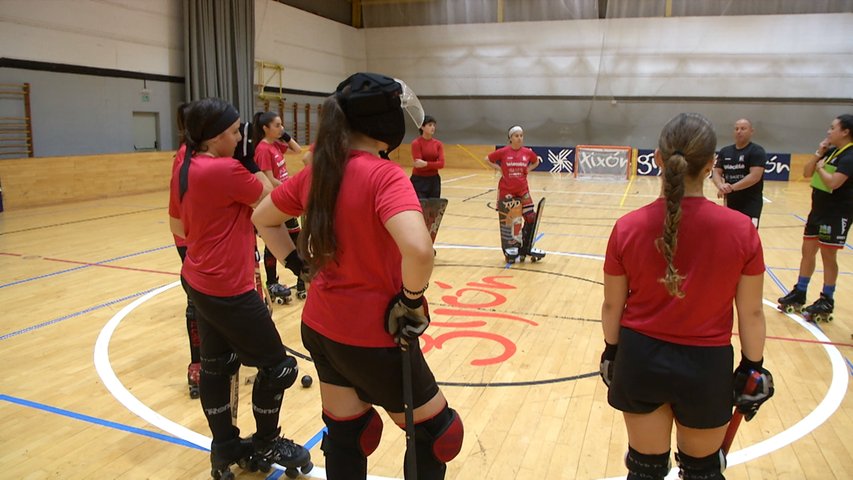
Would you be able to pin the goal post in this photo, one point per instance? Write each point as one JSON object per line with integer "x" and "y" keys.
{"x": 603, "y": 161}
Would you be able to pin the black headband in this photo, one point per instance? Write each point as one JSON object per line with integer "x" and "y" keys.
{"x": 228, "y": 117}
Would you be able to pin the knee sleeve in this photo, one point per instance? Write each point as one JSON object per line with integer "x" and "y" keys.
{"x": 269, "y": 258}
{"x": 646, "y": 467}
{"x": 360, "y": 434}
{"x": 279, "y": 377}
{"x": 224, "y": 365}
{"x": 705, "y": 468}
{"x": 441, "y": 436}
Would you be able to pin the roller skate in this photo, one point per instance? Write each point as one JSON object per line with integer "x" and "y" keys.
{"x": 193, "y": 376}
{"x": 237, "y": 451}
{"x": 536, "y": 254}
{"x": 301, "y": 293}
{"x": 820, "y": 310}
{"x": 511, "y": 254}
{"x": 792, "y": 302}
{"x": 295, "y": 458}
{"x": 279, "y": 293}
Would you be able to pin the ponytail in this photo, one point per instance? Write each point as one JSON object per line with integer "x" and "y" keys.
{"x": 687, "y": 144}
{"x": 317, "y": 244}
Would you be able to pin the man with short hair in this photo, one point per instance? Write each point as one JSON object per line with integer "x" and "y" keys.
{"x": 739, "y": 173}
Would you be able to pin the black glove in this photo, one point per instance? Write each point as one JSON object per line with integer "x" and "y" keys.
{"x": 748, "y": 402}
{"x": 285, "y": 137}
{"x": 406, "y": 318}
{"x": 605, "y": 367}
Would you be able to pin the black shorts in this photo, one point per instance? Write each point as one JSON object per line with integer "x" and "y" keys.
{"x": 695, "y": 381}
{"x": 749, "y": 207}
{"x": 427, "y": 187}
{"x": 376, "y": 374}
{"x": 240, "y": 324}
{"x": 829, "y": 228}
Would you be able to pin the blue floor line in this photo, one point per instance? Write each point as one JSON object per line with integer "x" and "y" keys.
{"x": 101, "y": 422}
{"x": 75, "y": 314}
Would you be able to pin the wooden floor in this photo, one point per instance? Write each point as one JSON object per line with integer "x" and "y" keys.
{"x": 94, "y": 347}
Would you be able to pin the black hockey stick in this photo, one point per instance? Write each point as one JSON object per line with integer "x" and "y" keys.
{"x": 411, "y": 462}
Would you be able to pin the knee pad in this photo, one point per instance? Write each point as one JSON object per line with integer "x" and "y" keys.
{"x": 293, "y": 263}
{"x": 269, "y": 259}
{"x": 704, "y": 468}
{"x": 441, "y": 435}
{"x": 642, "y": 466}
{"x": 361, "y": 434}
{"x": 223, "y": 365}
{"x": 278, "y": 378}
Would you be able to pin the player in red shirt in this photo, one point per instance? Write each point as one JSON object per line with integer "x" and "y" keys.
{"x": 371, "y": 257}
{"x": 515, "y": 161}
{"x": 194, "y": 368}
{"x": 210, "y": 206}
{"x": 428, "y": 157}
{"x": 669, "y": 311}
{"x": 271, "y": 143}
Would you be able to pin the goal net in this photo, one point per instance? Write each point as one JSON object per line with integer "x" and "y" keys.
{"x": 602, "y": 162}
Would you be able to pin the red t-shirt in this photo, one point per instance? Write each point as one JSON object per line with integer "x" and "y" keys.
{"x": 716, "y": 246}
{"x": 217, "y": 218}
{"x": 514, "y": 165}
{"x": 176, "y": 165}
{"x": 270, "y": 157}
{"x": 349, "y": 296}
{"x": 430, "y": 151}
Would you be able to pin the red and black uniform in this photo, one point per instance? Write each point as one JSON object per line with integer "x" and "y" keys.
{"x": 218, "y": 274}
{"x": 426, "y": 180}
{"x": 678, "y": 350}
{"x": 831, "y": 212}
{"x": 513, "y": 183}
{"x": 343, "y": 321}
{"x": 735, "y": 164}
{"x": 270, "y": 157}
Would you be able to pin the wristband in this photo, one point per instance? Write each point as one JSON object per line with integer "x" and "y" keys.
{"x": 415, "y": 294}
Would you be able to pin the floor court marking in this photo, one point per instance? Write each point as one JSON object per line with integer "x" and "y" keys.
{"x": 825, "y": 409}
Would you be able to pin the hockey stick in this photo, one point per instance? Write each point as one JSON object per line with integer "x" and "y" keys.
{"x": 737, "y": 416}
{"x": 411, "y": 461}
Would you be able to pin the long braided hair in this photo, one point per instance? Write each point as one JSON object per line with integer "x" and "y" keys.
{"x": 686, "y": 144}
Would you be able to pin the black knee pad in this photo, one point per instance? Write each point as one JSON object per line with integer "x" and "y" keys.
{"x": 705, "y": 468}
{"x": 293, "y": 263}
{"x": 279, "y": 377}
{"x": 646, "y": 467}
{"x": 348, "y": 442}
{"x": 360, "y": 434}
{"x": 224, "y": 365}
{"x": 441, "y": 436}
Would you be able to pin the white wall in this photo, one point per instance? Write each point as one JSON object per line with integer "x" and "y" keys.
{"x": 139, "y": 36}
{"x": 748, "y": 56}
{"x": 316, "y": 53}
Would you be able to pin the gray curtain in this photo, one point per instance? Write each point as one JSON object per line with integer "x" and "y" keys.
{"x": 219, "y": 51}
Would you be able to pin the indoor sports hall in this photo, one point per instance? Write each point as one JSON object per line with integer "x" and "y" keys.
{"x": 94, "y": 347}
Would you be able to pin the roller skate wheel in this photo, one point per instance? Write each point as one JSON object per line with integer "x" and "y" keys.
{"x": 280, "y": 301}
{"x": 302, "y": 295}
{"x": 291, "y": 472}
{"x": 305, "y": 469}
{"x": 222, "y": 474}
{"x": 194, "y": 393}
{"x": 534, "y": 259}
